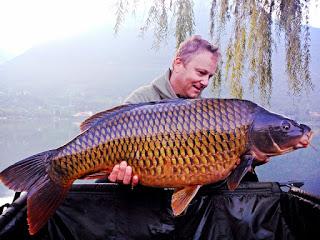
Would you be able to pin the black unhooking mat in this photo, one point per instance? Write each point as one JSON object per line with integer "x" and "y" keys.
{"x": 109, "y": 211}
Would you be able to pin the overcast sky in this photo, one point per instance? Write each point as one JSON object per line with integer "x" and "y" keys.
{"x": 24, "y": 24}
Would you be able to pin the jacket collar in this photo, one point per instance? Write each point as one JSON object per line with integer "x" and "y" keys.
{"x": 163, "y": 86}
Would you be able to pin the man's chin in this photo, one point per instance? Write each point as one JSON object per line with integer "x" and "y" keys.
{"x": 197, "y": 93}
{"x": 191, "y": 94}
{"x": 194, "y": 95}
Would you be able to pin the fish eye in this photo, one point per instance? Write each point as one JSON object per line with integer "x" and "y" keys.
{"x": 285, "y": 125}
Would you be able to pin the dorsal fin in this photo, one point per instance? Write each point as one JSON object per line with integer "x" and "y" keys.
{"x": 89, "y": 122}
{"x": 104, "y": 114}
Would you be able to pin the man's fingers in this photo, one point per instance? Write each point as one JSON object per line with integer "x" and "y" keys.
{"x": 127, "y": 175}
{"x": 135, "y": 181}
{"x": 114, "y": 174}
{"x": 122, "y": 170}
{"x": 123, "y": 173}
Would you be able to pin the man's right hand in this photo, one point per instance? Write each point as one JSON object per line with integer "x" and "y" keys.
{"x": 123, "y": 173}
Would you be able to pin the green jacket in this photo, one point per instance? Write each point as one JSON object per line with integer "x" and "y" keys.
{"x": 158, "y": 89}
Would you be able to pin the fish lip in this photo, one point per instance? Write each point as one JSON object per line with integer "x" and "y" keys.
{"x": 305, "y": 140}
{"x": 300, "y": 145}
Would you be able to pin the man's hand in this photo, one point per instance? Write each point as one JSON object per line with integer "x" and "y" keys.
{"x": 123, "y": 173}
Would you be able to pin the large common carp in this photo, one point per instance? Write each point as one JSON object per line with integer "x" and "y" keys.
{"x": 178, "y": 143}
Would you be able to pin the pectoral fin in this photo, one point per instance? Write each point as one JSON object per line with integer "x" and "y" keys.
{"x": 238, "y": 173}
{"x": 182, "y": 197}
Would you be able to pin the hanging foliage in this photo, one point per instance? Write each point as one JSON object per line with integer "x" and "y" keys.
{"x": 297, "y": 52}
{"x": 245, "y": 29}
{"x": 122, "y": 10}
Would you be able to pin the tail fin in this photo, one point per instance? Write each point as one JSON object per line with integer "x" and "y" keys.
{"x": 44, "y": 195}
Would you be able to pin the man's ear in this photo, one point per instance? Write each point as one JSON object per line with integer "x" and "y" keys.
{"x": 177, "y": 64}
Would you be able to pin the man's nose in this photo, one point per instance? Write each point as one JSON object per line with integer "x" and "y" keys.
{"x": 204, "y": 81}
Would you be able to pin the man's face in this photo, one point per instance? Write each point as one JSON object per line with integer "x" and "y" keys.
{"x": 192, "y": 77}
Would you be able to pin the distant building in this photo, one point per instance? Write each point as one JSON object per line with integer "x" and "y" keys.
{"x": 314, "y": 114}
{"x": 83, "y": 114}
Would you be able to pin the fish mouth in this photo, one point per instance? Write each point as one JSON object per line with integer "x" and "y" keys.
{"x": 304, "y": 140}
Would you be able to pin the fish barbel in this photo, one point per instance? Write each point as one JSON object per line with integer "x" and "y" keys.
{"x": 177, "y": 143}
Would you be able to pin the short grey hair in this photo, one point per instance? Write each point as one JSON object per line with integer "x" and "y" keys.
{"x": 193, "y": 45}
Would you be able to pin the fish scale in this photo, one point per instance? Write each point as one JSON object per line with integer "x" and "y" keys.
{"x": 174, "y": 143}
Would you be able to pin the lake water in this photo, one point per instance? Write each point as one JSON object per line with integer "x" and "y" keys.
{"x": 97, "y": 70}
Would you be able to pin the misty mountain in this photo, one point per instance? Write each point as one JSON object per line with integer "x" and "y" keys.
{"x": 97, "y": 61}
{"x": 96, "y": 70}
{"x": 91, "y": 71}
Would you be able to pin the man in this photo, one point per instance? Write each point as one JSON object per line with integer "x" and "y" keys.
{"x": 193, "y": 65}
{"x": 146, "y": 213}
